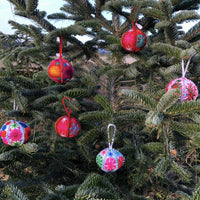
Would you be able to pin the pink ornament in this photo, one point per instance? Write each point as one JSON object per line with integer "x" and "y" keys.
{"x": 188, "y": 89}
{"x": 15, "y": 133}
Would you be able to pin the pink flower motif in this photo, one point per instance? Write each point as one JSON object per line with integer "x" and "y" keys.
{"x": 191, "y": 92}
{"x": 15, "y": 135}
{"x": 110, "y": 164}
{"x": 103, "y": 152}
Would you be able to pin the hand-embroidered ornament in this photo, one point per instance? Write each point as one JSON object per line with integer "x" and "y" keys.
{"x": 67, "y": 126}
{"x": 134, "y": 39}
{"x": 15, "y": 133}
{"x": 109, "y": 159}
{"x": 60, "y": 70}
{"x": 189, "y": 90}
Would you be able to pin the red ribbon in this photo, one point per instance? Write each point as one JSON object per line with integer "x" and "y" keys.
{"x": 133, "y": 23}
{"x": 60, "y": 59}
{"x": 68, "y": 113}
{"x": 63, "y": 102}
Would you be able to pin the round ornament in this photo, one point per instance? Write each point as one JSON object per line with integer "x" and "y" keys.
{"x": 15, "y": 133}
{"x": 60, "y": 70}
{"x": 188, "y": 89}
{"x": 67, "y": 126}
{"x": 133, "y": 40}
{"x": 110, "y": 160}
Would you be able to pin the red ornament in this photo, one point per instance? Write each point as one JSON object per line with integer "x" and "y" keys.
{"x": 60, "y": 70}
{"x": 134, "y": 39}
{"x": 67, "y": 126}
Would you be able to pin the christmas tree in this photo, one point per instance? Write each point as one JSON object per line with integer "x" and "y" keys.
{"x": 156, "y": 131}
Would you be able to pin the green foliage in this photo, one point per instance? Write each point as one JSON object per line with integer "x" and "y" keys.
{"x": 96, "y": 186}
{"x": 148, "y": 102}
{"x": 157, "y": 134}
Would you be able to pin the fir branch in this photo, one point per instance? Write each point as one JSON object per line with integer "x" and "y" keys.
{"x": 196, "y": 193}
{"x": 104, "y": 102}
{"x": 192, "y": 32}
{"x": 182, "y": 173}
{"x": 98, "y": 187}
{"x": 21, "y": 101}
{"x": 59, "y": 16}
{"x": 186, "y": 130}
{"x": 175, "y": 68}
{"x": 44, "y": 101}
{"x": 95, "y": 116}
{"x": 184, "y": 16}
{"x": 183, "y": 107}
{"x": 161, "y": 167}
{"x": 145, "y": 100}
{"x": 162, "y": 24}
{"x": 88, "y": 137}
{"x": 166, "y": 8}
{"x": 16, "y": 193}
{"x": 67, "y": 191}
{"x": 21, "y": 27}
{"x": 77, "y": 92}
{"x": 31, "y": 5}
{"x": 153, "y": 12}
{"x": 168, "y": 49}
{"x": 124, "y": 116}
{"x": 20, "y": 4}
{"x": 154, "y": 147}
{"x": 9, "y": 155}
{"x": 168, "y": 100}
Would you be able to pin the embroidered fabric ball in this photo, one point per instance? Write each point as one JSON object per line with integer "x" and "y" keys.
{"x": 15, "y": 133}
{"x": 188, "y": 89}
{"x": 133, "y": 40}
{"x": 56, "y": 72}
{"x": 67, "y": 126}
{"x": 110, "y": 160}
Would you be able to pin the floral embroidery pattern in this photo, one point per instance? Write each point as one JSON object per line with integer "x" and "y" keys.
{"x": 188, "y": 89}
{"x": 110, "y": 160}
{"x": 15, "y": 133}
{"x": 110, "y": 164}
{"x": 141, "y": 41}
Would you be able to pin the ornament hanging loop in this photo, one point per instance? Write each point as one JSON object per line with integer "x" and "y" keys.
{"x": 184, "y": 69}
{"x": 63, "y": 102}
{"x": 111, "y": 139}
{"x": 136, "y": 18}
{"x": 60, "y": 59}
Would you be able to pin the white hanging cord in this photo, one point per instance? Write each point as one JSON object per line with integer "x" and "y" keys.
{"x": 111, "y": 139}
{"x": 15, "y": 107}
{"x": 184, "y": 70}
{"x": 14, "y": 104}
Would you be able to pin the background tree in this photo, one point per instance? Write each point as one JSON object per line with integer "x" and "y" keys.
{"x": 161, "y": 159}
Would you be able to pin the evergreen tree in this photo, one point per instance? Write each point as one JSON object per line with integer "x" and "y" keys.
{"x": 157, "y": 134}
